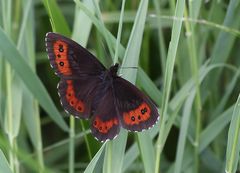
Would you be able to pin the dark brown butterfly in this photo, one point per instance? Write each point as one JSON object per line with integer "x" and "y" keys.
{"x": 88, "y": 90}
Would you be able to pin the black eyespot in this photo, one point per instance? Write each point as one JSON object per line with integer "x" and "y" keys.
{"x": 61, "y": 63}
{"x": 142, "y": 111}
{"x": 59, "y": 56}
{"x": 139, "y": 117}
{"x": 95, "y": 122}
{"x": 69, "y": 94}
{"x": 79, "y": 108}
{"x": 133, "y": 118}
{"x": 61, "y": 48}
{"x": 100, "y": 128}
{"x": 72, "y": 102}
{"x": 106, "y": 127}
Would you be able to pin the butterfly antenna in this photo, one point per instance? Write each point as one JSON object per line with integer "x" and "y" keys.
{"x": 129, "y": 67}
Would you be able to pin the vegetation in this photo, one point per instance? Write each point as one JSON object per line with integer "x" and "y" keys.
{"x": 187, "y": 54}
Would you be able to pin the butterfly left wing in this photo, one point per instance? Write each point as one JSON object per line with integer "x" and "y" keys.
{"x": 105, "y": 123}
{"x": 79, "y": 71}
{"x": 136, "y": 111}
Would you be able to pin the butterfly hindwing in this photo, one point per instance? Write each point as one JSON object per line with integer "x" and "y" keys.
{"x": 69, "y": 59}
{"x": 136, "y": 111}
{"x": 105, "y": 122}
{"x": 77, "y": 95}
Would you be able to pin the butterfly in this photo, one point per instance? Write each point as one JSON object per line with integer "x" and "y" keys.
{"x": 88, "y": 90}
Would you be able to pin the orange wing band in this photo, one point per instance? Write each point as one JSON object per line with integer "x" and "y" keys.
{"x": 140, "y": 114}
{"x": 104, "y": 126}
{"x": 60, "y": 51}
{"x": 71, "y": 98}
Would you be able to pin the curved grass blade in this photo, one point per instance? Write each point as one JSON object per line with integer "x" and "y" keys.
{"x": 4, "y": 166}
{"x": 176, "y": 30}
{"x": 183, "y": 132}
{"x": 91, "y": 166}
{"x": 30, "y": 79}
{"x": 233, "y": 146}
{"x": 58, "y": 21}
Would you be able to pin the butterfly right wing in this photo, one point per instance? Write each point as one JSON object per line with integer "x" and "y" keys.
{"x": 69, "y": 59}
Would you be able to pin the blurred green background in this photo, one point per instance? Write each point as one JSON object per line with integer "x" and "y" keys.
{"x": 187, "y": 58}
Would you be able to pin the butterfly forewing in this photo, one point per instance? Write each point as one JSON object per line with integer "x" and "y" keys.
{"x": 69, "y": 59}
{"x": 136, "y": 111}
{"x": 79, "y": 71}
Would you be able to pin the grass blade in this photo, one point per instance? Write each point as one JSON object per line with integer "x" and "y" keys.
{"x": 31, "y": 81}
{"x": 233, "y": 146}
{"x": 4, "y": 166}
{"x": 91, "y": 166}
{"x": 183, "y": 132}
{"x": 177, "y": 25}
{"x": 57, "y": 19}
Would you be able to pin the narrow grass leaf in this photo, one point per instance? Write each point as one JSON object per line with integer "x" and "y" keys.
{"x": 214, "y": 128}
{"x": 131, "y": 59}
{"x": 58, "y": 21}
{"x": 17, "y": 103}
{"x": 82, "y": 19}
{"x": 4, "y": 166}
{"x": 229, "y": 89}
{"x": 148, "y": 86}
{"x": 31, "y": 81}
{"x": 146, "y": 150}
{"x": 225, "y": 41}
{"x": 183, "y": 132}
{"x": 233, "y": 146}
{"x": 91, "y": 166}
{"x": 176, "y": 30}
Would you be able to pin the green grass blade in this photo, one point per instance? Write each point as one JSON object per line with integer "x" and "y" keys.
{"x": 108, "y": 164}
{"x": 115, "y": 59}
{"x": 183, "y": 132}
{"x": 91, "y": 166}
{"x": 233, "y": 145}
{"x": 4, "y": 166}
{"x": 177, "y": 25}
{"x": 58, "y": 21}
{"x": 225, "y": 41}
{"x": 82, "y": 19}
{"x": 214, "y": 128}
{"x": 130, "y": 59}
{"x": 31, "y": 81}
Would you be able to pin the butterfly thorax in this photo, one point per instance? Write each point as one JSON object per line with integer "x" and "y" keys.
{"x": 109, "y": 74}
{"x": 113, "y": 70}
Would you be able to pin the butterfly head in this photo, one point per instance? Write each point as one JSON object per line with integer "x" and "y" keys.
{"x": 113, "y": 69}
